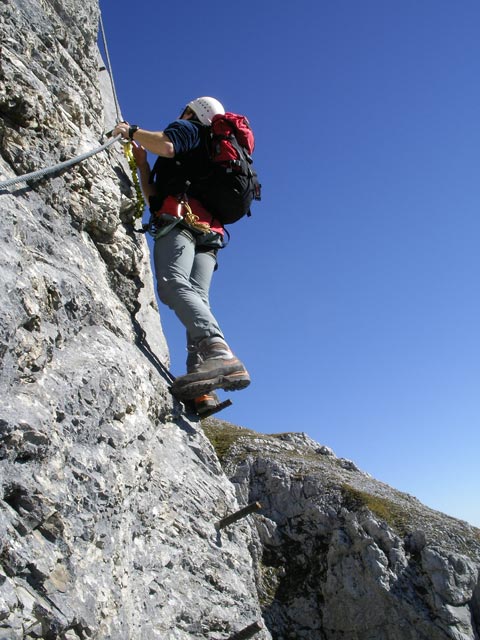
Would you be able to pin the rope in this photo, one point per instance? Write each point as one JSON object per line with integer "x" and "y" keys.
{"x": 127, "y": 147}
{"x": 109, "y": 65}
{"x": 191, "y": 218}
{"x": 35, "y": 175}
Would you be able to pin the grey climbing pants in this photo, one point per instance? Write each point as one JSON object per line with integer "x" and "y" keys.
{"x": 184, "y": 266}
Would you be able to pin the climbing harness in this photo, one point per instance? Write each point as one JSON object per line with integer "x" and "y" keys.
{"x": 158, "y": 227}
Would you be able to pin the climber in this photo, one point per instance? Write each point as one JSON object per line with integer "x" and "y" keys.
{"x": 187, "y": 240}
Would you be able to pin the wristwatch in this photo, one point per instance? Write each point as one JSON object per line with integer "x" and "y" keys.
{"x": 132, "y": 129}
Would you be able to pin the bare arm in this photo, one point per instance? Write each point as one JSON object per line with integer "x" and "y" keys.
{"x": 154, "y": 141}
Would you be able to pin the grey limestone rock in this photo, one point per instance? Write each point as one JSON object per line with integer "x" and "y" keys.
{"x": 340, "y": 555}
{"x": 109, "y": 491}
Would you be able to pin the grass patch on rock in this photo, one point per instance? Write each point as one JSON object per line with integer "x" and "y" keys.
{"x": 396, "y": 516}
{"x": 223, "y": 435}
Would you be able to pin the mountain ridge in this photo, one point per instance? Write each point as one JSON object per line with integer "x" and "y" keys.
{"x": 322, "y": 518}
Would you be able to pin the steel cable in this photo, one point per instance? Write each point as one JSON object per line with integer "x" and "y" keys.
{"x": 35, "y": 175}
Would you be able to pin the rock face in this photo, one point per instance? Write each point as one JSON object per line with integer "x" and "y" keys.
{"x": 342, "y": 556}
{"x": 109, "y": 490}
{"x": 109, "y": 494}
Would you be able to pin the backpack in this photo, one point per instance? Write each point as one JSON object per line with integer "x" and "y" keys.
{"x": 219, "y": 173}
{"x": 231, "y": 184}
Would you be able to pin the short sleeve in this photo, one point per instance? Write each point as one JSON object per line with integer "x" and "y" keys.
{"x": 184, "y": 135}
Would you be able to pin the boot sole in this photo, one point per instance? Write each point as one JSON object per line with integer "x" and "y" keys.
{"x": 227, "y": 382}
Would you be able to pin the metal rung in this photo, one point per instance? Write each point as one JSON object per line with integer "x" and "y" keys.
{"x": 248, "y": 632}
{"x": 233, "y": 517}
{"x": 216, "y": 409}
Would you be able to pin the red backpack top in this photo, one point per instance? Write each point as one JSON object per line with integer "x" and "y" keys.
{"x": 222, "y": 129}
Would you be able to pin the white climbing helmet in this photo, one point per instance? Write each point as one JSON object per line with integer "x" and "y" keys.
{"x": 205, "y": 108}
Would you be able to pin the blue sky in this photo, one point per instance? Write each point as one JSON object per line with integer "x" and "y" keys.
{"x": 352, "y": 293}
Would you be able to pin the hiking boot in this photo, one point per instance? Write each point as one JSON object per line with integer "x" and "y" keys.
{"x": 193, "y": 358}
{"x": 206, "y": 403}
{"x": 217, "y": 368}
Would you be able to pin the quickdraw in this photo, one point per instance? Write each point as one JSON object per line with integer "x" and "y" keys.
{"x": 140, "y": 204}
